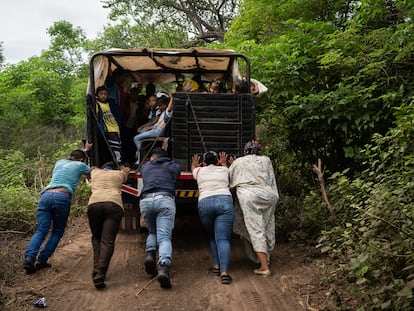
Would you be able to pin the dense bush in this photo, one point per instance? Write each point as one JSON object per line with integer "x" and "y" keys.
{"x": 21, "y": 181}
{"x": 373, "y": 238}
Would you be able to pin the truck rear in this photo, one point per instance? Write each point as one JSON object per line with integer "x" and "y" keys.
{"x": 201, "y": 121}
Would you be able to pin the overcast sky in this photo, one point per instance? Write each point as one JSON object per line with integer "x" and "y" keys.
{"x": 24, "y": 23}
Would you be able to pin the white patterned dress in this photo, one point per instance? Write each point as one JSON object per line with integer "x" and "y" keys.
{"x": 254, "y": 180}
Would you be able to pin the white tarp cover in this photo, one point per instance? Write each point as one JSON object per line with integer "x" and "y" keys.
{"x": 161, "y": 66}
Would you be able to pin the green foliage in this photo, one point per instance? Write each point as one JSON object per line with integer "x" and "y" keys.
{"x": 339, "y": 75}
{"x": 34, "y": 92}
{"x": 332, "y": 72}
{"x": 24, "y": 178}
{"x": 375, "y": 233}
{"x": 128, "y": 35}
{"x": 15, "y": 214}
{"x": 340, "y": 89}
{"x": 67, "y": 43}
{"x": 1, "y": 55}
{"x": 202, "y": 21}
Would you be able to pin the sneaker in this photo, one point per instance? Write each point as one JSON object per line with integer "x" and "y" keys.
{"x": 42, "y": 265}
{"x": 99, "y": 280}
{"x": 100, "y": 285}
{"x": 164, "y": 276}
{"x": 29, "y": 266}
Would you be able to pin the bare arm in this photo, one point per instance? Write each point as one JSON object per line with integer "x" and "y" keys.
{"x": 125, "y": 170}
{"x": 88, "y": 145}
{"x": 170, "y": 104}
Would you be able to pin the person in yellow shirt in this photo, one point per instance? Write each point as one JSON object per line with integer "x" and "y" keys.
{"x": 107, "y": 122}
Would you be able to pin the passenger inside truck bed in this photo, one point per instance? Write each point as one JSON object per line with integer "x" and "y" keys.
{"x": 240, "y": 87}
{"x": 216, "y": 86}
{"x": 153, "y": 115}
{"x": 136, "y": 114}
{"x": 164, "y": 102}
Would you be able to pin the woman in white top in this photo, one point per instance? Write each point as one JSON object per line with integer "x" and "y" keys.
{"x": 215, "y": 207}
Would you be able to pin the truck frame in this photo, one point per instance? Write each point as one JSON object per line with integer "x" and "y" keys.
{"x": 201, "y": 121}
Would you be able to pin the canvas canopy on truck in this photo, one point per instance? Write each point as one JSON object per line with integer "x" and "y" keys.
{"x": 160, "y": 66}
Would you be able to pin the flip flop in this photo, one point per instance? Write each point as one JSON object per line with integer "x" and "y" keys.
{"x": 215, "y": 271}
{"x": 225, "y": 279}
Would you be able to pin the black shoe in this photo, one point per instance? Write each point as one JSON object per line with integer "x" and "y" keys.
{"x": 42, "y": 265}
{"x": 29, "y": 266}
{"x": 150, "y": 267}
{"x": 164, "y": 276}
{"x": 100, "y": 285}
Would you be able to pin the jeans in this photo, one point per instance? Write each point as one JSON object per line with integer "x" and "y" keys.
{"x": 53, "y": 207}
{"x": 154, "y": 132}
{"x": 159, "y": 215}
{"x": 104, "y": 220}
{"x": 216, "y": 216}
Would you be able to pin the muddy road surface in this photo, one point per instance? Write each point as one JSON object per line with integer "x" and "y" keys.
{"x": 67, "y": 285}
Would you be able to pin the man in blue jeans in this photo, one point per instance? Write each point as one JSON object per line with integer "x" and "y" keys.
{"x": 157, "y": 205}
{"x": 54, "y": 207}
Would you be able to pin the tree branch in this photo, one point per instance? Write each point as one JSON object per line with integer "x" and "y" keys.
{"x": 319, "y": 172}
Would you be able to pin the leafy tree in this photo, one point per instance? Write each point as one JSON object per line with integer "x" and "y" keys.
{"x": 335, "y": 72}
{"x": 206, "y": 20}
{"x": 43, "y": 97}
{"x": 340, "y": 89}
{"x": 1, "y": 55}
{"x": 126, "y": 35}
{"x": 374, "y": 239}
{"x": 67, "y": 44}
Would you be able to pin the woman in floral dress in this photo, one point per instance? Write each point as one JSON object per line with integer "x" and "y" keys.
{"x": 254, "y": 181}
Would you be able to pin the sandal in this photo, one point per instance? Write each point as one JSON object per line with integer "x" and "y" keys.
{"x": 215, "y": 271}
{"x": 225, "y": 279}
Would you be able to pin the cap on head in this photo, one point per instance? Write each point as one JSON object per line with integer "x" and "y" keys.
{"x": 162, "y": 98}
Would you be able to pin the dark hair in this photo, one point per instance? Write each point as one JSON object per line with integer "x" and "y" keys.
{"x": 77, "y": 155}
{"x": 101, "y": 88}
{"x": 141, "y": 99}
{"x": 118, "y": 72}
{"x": 210, "y": 157}
{"x": 158, "y": 152}
{"x": 252, "y": 147}
{"x": 241, "y": 86}
{"x": 149, "y": 89}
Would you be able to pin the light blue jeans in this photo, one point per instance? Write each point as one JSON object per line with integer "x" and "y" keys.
{"x": 53, "y": 207}
{"x": 159, "y": 216}
{"x": 216, "y": 216}
{"x": 154, "y": 132}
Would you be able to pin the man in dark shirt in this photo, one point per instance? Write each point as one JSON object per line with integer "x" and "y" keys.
{"x": 157, "y": 205}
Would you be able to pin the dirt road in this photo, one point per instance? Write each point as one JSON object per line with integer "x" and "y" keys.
{"x": 67, "y": 285}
